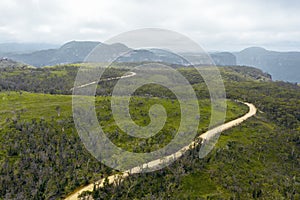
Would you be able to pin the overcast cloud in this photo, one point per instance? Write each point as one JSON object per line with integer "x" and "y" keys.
{"x": 215, "y": 25}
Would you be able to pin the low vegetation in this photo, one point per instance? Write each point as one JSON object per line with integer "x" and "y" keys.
{"x": 42, "y": 157}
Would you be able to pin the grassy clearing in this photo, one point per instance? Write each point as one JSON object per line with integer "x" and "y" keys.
{"x": 46, "y": 121}
{"x": 28, "y": 106}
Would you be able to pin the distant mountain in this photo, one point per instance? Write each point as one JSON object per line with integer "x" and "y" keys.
{"x": 281, "y": 65}
{"x": 164, "y": 56}
{"x": 223, "y": 58}
{"x": 68, "y": 53}
{"x": 169, "y": 57}
{"x": 76, "y": 51}
{"x": 6, "y": 48}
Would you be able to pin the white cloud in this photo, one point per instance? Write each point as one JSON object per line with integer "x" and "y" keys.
{"x": 215, "y": 24}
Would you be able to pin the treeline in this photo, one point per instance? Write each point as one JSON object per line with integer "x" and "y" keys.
{"x": 48, "y": 80}
{"x": 280, "y": 101}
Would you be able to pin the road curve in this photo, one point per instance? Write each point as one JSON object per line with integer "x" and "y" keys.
{"x": 130, "y": 74}
{"x": 111, "y": 179}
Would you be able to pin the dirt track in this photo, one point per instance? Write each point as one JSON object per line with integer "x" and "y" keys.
{"x": 155, "y": 163}
{"x": 107, "y": 79}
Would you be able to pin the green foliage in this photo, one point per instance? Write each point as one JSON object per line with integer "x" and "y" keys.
{"x": 52, "y": 80}
{"x": 252, "y": 161}
{"x": 280, "y": 101}
{"x": 259, "y": 159}
{"x": 44, "y": 160}
{"x": 41, "y": 155}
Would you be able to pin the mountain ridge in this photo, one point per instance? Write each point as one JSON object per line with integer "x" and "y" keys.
{"x": 281, "y": 65}
{"x": 76, "y": 51}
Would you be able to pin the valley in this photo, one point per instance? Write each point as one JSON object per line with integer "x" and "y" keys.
{"x": 40, "y": 146}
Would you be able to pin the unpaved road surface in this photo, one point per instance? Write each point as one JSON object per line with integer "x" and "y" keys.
{"x": 155, "y": 163}
{"x": 130, "y": 74}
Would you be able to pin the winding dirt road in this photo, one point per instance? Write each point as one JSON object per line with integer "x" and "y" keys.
{"x": 155, "y": 163}
{"x": 130, "y": 74}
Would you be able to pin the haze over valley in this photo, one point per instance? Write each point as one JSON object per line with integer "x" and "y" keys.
{"x": 282, "y": 66}
{"x": 133, "y": 99}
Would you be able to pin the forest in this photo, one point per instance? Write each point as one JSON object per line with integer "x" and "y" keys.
{"x": 257, "y": 160}
{"x": 42, "y": 157}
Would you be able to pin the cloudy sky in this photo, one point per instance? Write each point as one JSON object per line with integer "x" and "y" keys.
{"x": 214, "y": 24}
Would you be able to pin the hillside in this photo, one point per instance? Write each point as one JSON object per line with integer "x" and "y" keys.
{"x": 43, "y": 158}
{"x": 223, "y": 58}
{"x": 7, "y": 63}
{"x": 60, "y": 79}
{"x": 258, "y": 160}
{"x": 41, "y": 154}
{"x": 76, "y": 51}
{"x": 68, "y": 53}
{"x": 281, "y": 65}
